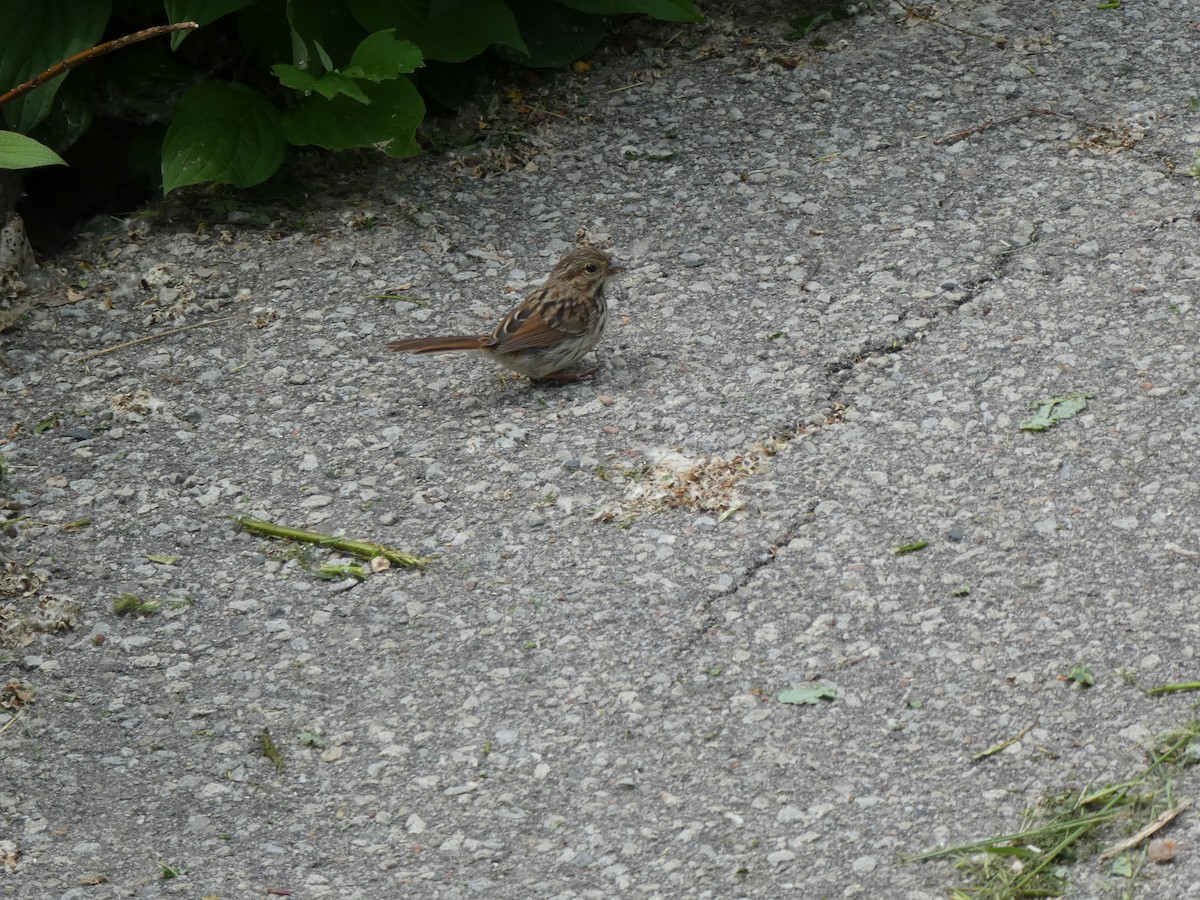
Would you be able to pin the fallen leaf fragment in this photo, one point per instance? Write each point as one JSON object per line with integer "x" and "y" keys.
{"x": 810, "y": 694}
{"x": 1051, "y": 411}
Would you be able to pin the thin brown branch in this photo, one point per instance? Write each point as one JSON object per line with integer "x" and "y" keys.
{"x": 1131, "y": 842}
{"x": 91, "y": 53}
{"x": 152, "y": 337}
{"x": 911, "y": 12}
{"x": 993, "y": 123}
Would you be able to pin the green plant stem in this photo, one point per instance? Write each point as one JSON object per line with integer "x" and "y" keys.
{"x": 1073, "y": 829}
{"x": 1169, "y": 688}
{"x": 1028, "y": 836}
{"x": 362, "y": 549}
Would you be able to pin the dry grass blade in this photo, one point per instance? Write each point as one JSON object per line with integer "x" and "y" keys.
{"x": 12, "y": 720}
{"x": 990, "y": 751}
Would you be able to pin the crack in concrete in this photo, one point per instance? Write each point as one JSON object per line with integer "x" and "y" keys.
{"x": 839, "y": 372}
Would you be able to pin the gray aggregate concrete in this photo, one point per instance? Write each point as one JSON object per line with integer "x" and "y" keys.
{"x": 846, "y": 289}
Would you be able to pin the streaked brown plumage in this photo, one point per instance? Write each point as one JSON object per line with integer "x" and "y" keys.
{"x": 550, "y": 330}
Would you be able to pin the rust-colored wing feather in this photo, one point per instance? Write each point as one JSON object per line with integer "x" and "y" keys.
{"x": 525, "y": 328}
{"x": 545, "y": 318}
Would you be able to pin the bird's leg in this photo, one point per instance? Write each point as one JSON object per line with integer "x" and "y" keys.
{"x": 559, "y": 377}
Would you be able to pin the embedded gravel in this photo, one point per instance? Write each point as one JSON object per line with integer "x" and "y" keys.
{"x": 852, "y": 270}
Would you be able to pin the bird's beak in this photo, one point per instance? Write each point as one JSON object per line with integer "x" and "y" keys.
{"x": 616, "y": 270}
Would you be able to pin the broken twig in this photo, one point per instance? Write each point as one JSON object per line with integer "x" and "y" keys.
{"x": 152, "y": 337}
{"x": 363, "y": 549}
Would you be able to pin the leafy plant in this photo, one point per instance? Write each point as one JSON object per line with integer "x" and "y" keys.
{"x": 224, "y": 102}
{"x": 26, "y": 109}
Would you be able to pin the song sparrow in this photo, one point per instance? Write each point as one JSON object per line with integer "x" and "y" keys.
{"x": 550, "y": 330}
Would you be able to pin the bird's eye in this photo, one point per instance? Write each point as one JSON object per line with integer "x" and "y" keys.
{"x": 591, "y": 268}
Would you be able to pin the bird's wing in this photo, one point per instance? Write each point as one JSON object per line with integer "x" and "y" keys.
{"x": 524, "y": 328}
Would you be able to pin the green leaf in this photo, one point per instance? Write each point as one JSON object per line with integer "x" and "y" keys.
{"x": 199, "y": 11}
{"x": 20, "y": 152}
{"x": 320, "y": 24}
{"x": 555, "y": 35}
{"x": 812, "y": 693}
{"x": 1081, "y": 675}
{"x": 35, "y": 36}
{"x": 394, "y": 112}
{"x": 381, "y": 57}
{"x": 665, "y": 10}
{"x": 451, "y": 32}
{"x": 312, "y": 739}
{"x": 222, "y": 132}
{"x": 323, "y": 56}
{"x": 294, "y": 77}
{"x": 70, "y": 115}
{"x": 334, "y": 83}
{"x": 51, "y": 421}
{"x": 328, "y": 85}
{"x": 1050, "y": 412}
{"x": 1122, "y": 866}
{"x": 378, "y": 57}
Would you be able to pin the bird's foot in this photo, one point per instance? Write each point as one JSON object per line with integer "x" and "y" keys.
{"x": 560, "y": 377}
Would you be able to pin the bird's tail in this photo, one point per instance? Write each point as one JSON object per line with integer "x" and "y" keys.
{"x": 438, "y": 344}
